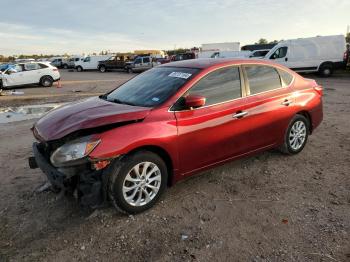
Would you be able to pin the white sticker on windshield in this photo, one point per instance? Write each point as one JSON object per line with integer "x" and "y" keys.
{"x": 180, "y": 75}
{"x": 155, "y": 99}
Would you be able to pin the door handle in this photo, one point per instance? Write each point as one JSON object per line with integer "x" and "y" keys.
{"x": 240, "y": 114}
{"x": 286, "y": 59}
{"x": 286, "y": 102}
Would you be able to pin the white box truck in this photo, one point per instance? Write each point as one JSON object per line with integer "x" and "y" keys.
{"x": 227, "y": 49}
{"x": 224, "y": 54}
{"x": 322, "y": 54}
{"x": 90, "y": 62}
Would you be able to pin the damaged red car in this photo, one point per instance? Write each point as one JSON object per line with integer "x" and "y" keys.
{"x": 168, "y": 123}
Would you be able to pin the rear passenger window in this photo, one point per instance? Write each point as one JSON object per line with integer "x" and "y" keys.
{"x": 262, "y": 78}
{"x": 219, "y": 86}
{"x": 146, "y": 60}
{"x": 29, "y": 67}
{"x": 286, "y": 78}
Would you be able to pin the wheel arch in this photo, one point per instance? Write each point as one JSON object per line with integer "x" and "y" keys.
{"x": 330, "y": 63}
{"x": 307, "y": 115}
{"x": 41, "y": 78}
{"x": 162, "y": 153}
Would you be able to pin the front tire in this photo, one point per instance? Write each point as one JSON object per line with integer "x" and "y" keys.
{"x": 102, "y": 69}
{"x": 46, "y": 81}
{"x": 137, "y": 182}
{"x": 296, "y": 135}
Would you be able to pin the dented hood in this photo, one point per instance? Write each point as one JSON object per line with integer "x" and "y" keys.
{"x": 84, "y": 114}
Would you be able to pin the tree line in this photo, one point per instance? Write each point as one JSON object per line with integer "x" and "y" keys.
{"x": 169, "y": 52}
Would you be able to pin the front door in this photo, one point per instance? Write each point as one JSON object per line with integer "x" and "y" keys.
{"x": 280, "y": 56}
{"x": 216, "y": 131}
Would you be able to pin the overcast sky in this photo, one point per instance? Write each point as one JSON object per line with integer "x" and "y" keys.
{"x": 77, "y": 26}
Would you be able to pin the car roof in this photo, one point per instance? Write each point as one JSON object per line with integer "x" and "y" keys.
{"x": 203, "y": 63}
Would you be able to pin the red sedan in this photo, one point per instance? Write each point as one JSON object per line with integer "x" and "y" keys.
{"x": 170, "y": 122}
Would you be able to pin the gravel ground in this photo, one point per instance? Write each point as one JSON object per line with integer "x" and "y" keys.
{"x": 269, "y": 207}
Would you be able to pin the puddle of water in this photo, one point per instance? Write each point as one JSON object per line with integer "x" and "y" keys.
{"x": 13, "y": 114}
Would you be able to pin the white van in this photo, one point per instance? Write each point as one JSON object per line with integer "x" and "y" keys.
{"x": 90, "y": 62}
{"x": 320, "y": 54}
{"x": 73, "y": 60}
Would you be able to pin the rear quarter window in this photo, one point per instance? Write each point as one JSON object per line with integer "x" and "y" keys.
{"x": 286, "y": 78}
{"x": 262, "y": 78}
{"x": 42, "y": 66}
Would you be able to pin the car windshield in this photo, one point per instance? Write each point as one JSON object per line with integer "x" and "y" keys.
{"x": 152, "y": 87}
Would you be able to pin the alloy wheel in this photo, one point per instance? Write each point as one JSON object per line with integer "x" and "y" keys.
{"x": 297, "y": 135}
{"x": 142, "y": 184}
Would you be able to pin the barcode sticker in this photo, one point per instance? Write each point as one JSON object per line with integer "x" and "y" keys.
{"x": 180, "y": 75}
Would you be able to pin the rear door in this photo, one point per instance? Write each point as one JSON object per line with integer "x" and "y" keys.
{"x": 32, "y": 73}
{"x": 270, "y": 104}
{"x": 217, "y": 131}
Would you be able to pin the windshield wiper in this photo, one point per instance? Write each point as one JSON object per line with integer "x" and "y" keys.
{"x": 104, "y": 97}
{"x": 116, "y": 100}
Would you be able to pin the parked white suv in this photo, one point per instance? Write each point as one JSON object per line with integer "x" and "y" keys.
{"x": 20, "y": 74}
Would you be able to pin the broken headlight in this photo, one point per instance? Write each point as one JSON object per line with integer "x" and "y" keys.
{"x": 74, "y": 151}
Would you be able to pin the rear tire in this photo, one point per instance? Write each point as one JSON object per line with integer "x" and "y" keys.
{"x": 296, "y": 135}
{"x": 326, "y": 70}
{"x": 65, "y": 66}
{"x": 137, "y": 181}
{"x": 79, "y": 69}
{"x": 46, "y": 81}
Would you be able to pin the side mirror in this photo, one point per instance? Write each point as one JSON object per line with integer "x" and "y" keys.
{"x": 10, "y": 71}
{"x": 194, "y": 101}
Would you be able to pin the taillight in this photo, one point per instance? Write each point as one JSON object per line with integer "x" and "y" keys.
{"x": 345, "y": 56}
{"x": 319, "y": 89}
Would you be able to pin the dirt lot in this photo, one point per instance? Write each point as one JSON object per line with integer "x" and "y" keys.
{"x": 264, "y": 208}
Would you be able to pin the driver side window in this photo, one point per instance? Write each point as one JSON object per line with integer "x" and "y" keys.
{"x": 30, "y": 67}
{"x": 279, "y": 53}
{"x": 15, "y": 69}
{"x": 219, "y": 86}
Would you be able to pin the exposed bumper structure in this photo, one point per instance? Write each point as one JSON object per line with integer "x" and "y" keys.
{"x": 89, "y": 184}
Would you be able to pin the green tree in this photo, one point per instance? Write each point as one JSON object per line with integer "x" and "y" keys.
{"x": 177, "y": 51}
{"x": 262, "y": 41}
{"x": 347, "y": 38}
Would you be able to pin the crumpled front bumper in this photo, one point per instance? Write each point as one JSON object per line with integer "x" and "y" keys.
{"x": 89, "y": 184}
